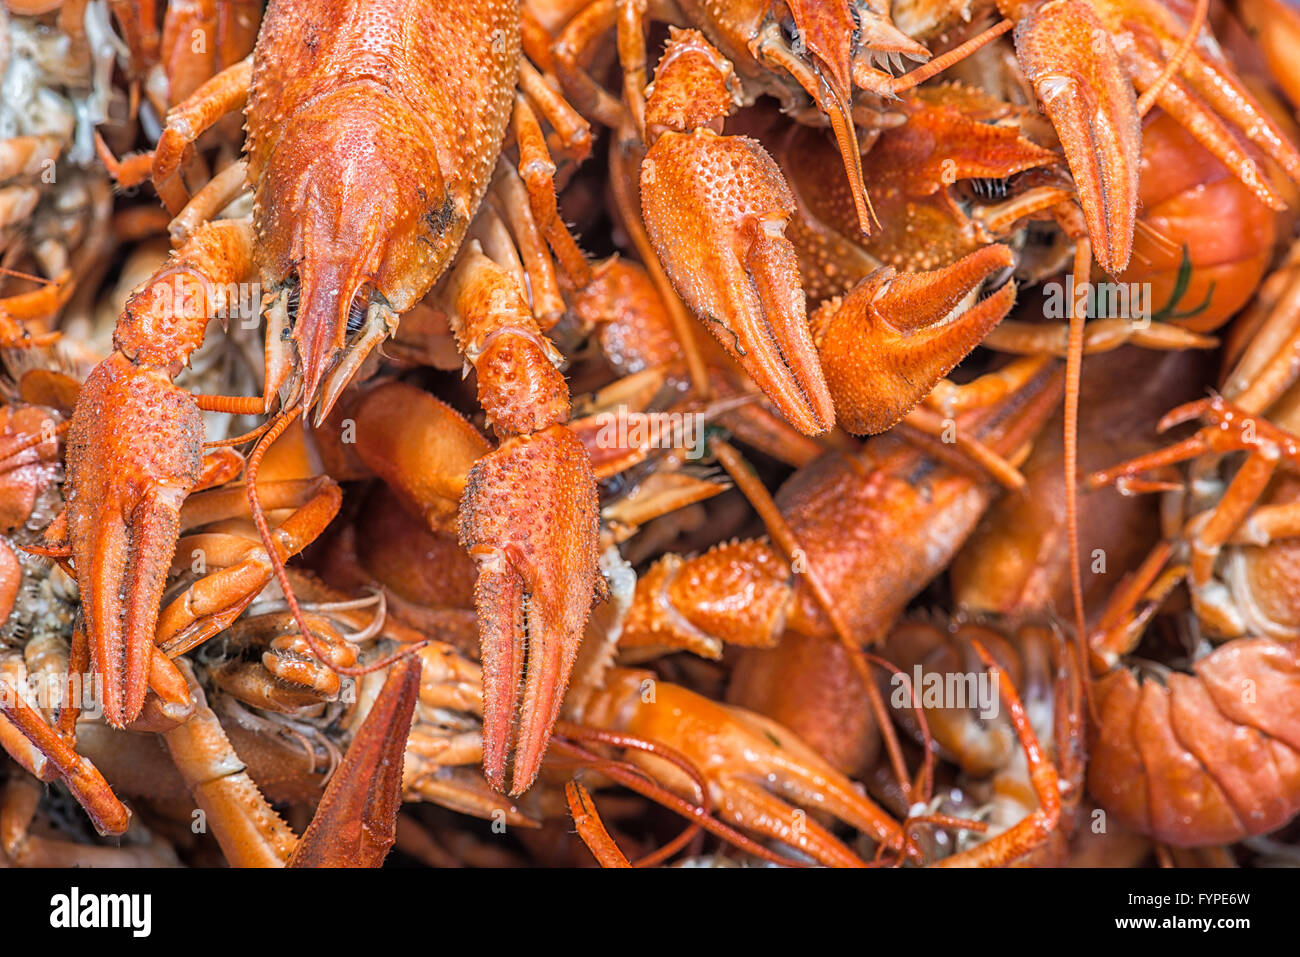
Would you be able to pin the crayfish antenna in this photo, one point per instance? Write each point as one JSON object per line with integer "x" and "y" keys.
{"x": 1035, "y": 829}
{"x": 1152, "y": 93}
{"x": 586, "y": 819}
{"x": 1073, "y": 378}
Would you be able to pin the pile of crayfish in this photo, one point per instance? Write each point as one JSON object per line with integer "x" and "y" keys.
{"x": 649, "y": 432}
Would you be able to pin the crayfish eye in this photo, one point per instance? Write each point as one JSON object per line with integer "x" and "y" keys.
{"x": 789, "y": 31}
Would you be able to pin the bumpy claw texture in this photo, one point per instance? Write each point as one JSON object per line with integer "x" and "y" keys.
{"x": 885, "y": 345}
{"x": 1068, "y": 55}
{"x": 520, "y": 387}
{"x": 822, "y": 48}
{"x": 123, "y": 533}
{"x": 135, "y": 451}
{"x": 529, "y": 517}
{"x": 636, "y": 332}
{"x": 736, "y": 593}
{"x": 1085, "y": 56}
{"x": 715, "y": 207}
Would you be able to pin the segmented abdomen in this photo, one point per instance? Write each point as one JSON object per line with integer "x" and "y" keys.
{"x": 1207, "y": 758}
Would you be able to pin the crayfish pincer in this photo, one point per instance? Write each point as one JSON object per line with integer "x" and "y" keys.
{"x": 716, "y": 207}
{"x": 135, "y": 453}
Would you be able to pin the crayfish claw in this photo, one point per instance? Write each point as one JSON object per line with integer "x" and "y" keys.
{"x": 885, "y": 345}
{"x": 743, "y": 279}
{"x": 355, "y": 824}
{"x": 1069, "y": 57}
{"x": 765, "y": 813}
{"x": 127, "y": 561}
{"x": 123, "y": 536}
{"x": 756, "y": 770}
{"x": 529, "y": 518}
{"x": 800, "y": 776}
{"x": 715, "y": 208}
